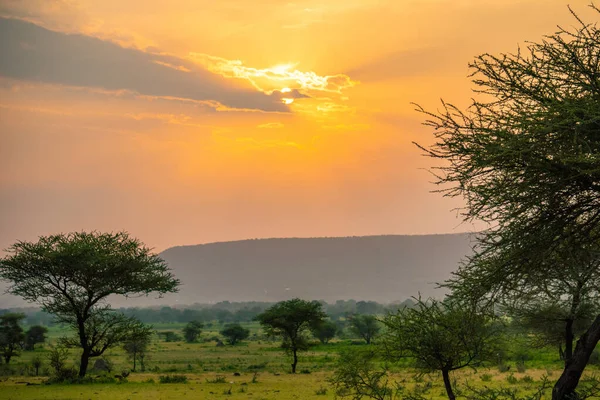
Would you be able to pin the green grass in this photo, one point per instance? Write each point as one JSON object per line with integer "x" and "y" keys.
{"x": 204, "y": 362}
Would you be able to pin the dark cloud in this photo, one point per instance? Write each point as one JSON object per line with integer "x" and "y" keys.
{"x": 30, "y": 52}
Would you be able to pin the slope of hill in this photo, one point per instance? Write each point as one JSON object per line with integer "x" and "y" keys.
{"x": 381, "y": 268}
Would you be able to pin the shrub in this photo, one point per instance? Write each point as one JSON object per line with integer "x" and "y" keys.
{"x": 172, "y": 379}
{"x": 511, "y": 379}
{"x": 217, "y": 379}
{"x": 486, "y": 377}
{"x": 321, "y": 391}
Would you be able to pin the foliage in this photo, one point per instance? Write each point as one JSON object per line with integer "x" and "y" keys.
{"x": 11, "y": 335}
{"x": 35, "y": 334}
{"x": 290, "y": 320}
{"x": 71, "y": 276}
{"x": 356, "y": 376}
{"x": 192, "y": 330}
{"x": 365, "y": 326}
{"x": 37, "y": 362}
{"x": 57, "y": 358}
{"x": 440, "y": 336}
{"x": 526, "y": 158}
{"x": 172, "y": 379}
{"x": 170, "y": 336}
{"x": 137, "y": 342}
{"x": 235, "y": 333}
{"x": 324, "y": 330}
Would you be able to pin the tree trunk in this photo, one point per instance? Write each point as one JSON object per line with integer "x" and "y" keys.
{"x": 85, "y": 359}
{"x": 7, "y": 358}
{"x": 569, "y": 337}
{"x": 568, "y": 381}
{"x": 294, "y": 350}
{"x": 133, "y": 362}
{"x": 561, "y": 353}
{"x": 448, "y": 385}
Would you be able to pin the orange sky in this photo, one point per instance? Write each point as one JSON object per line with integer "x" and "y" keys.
{"x": 193, "y": 121}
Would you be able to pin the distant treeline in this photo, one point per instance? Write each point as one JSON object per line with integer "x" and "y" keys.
{"x": 222, "y": 312}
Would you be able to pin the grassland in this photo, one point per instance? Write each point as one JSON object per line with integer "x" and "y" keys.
{"x": 255, "y": 369}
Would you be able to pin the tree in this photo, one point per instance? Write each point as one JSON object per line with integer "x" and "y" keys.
{"x": 365, "y": 326}
{"x": 35, "y": 334}
{"x": 291, "y": 320}
{"x": 357, "y": 376}
{"x": 551, "y": 324}
{"x": 11, "y": 335}
{"x": 525, "y": 157}
{"x": 72, "y": 275}
{"x": 440, "y": 336}
{"x": 324, "y": 330}
{"x": 137, "y": 343}
{"x": 192, "y": 330}
{"x": 235, "y": 333}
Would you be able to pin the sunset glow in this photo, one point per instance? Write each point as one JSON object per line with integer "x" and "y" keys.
{"x": 194, "y": 121}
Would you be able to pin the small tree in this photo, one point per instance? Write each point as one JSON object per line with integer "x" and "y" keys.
{"x": 35, "y": 334}
{"x": 57, "y": 358}
{"x": 192, "y": 330}
{"x": 290, "y": 320}
{"x": 235, "y": 333}
{"x": 324, "y": 330}
{"x": 440, "y": 336}
{"x": 11, "y": 335}
{"x": 72, "y": 276}
{"x": 356, "y": 375}
{"x": 365, "y": 326}
{"x": 36, "y": 363}
{"x": 137, "y": 343}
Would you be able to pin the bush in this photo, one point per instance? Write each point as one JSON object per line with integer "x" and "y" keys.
{"x": 321, "y": 391}
{"x": 217, "y": 379}
{"x": 486, "y": 377}
{"x": 511, "y": 379}
{"x": 172, "y": 379}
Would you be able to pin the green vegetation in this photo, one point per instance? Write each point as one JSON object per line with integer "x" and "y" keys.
{"x": 290, "y": 320}
{"x": 235, "y": 333}
{"x": 72, "y": 275}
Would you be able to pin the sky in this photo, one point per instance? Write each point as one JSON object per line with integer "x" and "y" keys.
{"x": 195, "y": 121}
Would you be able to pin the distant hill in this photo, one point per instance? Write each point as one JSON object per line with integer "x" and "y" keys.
{"x": 380, "y": 268}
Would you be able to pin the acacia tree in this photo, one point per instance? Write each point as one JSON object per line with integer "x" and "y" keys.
{"x": 71, "y": 276}
{"x": 365, "y": 326}
{"x": 440, "y": 336}
{"x": 324, "y": 330}
{"x": 192, "y": 330}
{"x": 290, "y": 320}
{"x": 235, "y": 333}
{"x": 137, "y": 343}
{"x": 526, "y": 158}
{"x": 35, "y": 334}
{"x": 11, "y": 335}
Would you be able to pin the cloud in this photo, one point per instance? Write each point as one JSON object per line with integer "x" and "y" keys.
{"x": 276, "y": 78}
{"x": 271, "y": 125}
{"x": 32, "y": 53}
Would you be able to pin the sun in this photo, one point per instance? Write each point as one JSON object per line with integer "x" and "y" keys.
{"x": 287, "y": 100}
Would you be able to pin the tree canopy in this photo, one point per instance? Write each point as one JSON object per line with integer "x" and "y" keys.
{"x": 525, "y": 156}
{"x": 72, "y": 275}
{"x": 290, "y": 320}
{"x": 440, "y": 336}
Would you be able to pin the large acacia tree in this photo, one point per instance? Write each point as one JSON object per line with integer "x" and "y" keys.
{"x": 72, "y": 275}
{"x": 526, "y": 158}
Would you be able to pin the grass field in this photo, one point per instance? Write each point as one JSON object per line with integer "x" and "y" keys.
{"x": 263, "y": 372}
